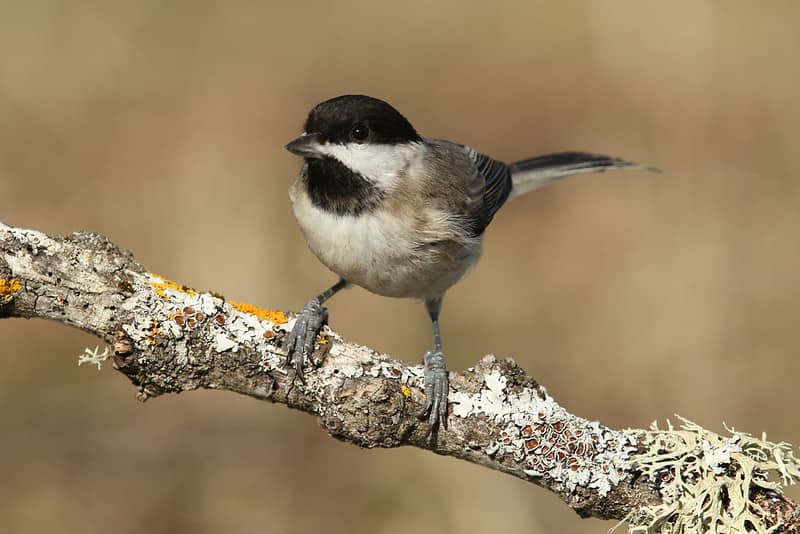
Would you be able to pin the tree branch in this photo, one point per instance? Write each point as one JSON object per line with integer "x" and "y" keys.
{"x": 169, "y": 338}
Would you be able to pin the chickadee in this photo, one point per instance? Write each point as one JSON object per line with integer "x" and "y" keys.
{"x": 401, "y": 215}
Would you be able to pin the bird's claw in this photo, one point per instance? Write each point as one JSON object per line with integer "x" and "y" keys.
{"x": 300, "y": 342}
{"x": 436, "y": 389}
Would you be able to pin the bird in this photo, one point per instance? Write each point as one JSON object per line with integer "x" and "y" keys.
{"x": 401, "y": 215}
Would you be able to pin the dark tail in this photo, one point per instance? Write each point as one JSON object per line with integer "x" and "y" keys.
{"x": 530, "y": 174}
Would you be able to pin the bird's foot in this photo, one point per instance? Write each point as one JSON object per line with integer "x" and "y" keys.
{"x": 300, "y": 342}
{"x": 436, "y": 389}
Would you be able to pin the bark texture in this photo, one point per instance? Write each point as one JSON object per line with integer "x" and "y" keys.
{"x": 168, "y": 338}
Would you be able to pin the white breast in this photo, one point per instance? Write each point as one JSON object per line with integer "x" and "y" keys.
{"x": 377, "y": 251}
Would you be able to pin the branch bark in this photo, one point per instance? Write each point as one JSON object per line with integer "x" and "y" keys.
{"x": 169, "y": 338}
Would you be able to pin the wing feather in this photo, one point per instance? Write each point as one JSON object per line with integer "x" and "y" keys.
{"x": 497, "y": 177}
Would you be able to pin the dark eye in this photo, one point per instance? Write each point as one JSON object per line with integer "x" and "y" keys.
{"x": 360, "y": 132}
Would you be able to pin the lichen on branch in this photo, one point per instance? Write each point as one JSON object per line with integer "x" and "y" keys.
{"x": 710, "y": 483}
{"x": 170, "y": 338}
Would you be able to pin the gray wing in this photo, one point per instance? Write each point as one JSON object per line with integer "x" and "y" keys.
{"x": 497, "y": 177}
{"x": 477, "y": 185}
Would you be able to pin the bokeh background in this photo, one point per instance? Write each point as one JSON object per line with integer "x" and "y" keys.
{"x": 631, "y": 296}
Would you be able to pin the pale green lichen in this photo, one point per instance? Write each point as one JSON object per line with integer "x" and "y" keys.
{"x": 93, "y": 357}
{"x": 707, "y": 480}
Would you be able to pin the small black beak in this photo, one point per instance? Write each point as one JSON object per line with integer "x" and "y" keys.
{"x": 307, "y": 145}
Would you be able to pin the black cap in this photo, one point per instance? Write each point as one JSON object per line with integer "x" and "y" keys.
{"x": 359, "y": 119}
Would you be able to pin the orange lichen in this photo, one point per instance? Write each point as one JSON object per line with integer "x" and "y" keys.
{"x": 161, "y": 284}
{"x": 9, "y": 287}
{"x": 274, "y": 316}
{"x": 406, "y": 390}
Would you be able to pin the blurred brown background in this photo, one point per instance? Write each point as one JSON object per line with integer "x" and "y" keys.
{"x": 632, "y": 296}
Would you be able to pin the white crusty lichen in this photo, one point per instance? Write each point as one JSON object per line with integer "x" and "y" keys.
{"x": 167, "y": 311}
{"x": 33, "y": 239}
{"x": 357, "y": 361}
{"x": 545, "y": 439}
{"x": 707, "y": 480}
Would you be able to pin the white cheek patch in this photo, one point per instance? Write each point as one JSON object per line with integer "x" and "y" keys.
{"x": 379, "y": 163}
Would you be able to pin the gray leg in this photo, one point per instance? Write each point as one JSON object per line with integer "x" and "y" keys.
{"x": 436, "y": 381}
{"x": 300, "y": 342}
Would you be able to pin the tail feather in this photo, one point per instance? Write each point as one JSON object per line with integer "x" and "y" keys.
{"x": 530, "y": 174}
